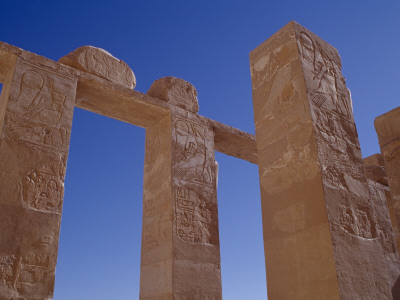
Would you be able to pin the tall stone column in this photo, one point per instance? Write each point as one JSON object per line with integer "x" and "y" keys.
{"x": 388, "y": 129}
{"x": 36, "y": 106}
{"x": 180, "y": 241}
{"x": 323, "y": 237}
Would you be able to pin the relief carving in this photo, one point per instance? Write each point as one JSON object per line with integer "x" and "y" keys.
{"x": 329, "y": 90}
{"x": 41, "y": 105}
{"x": 43, "y": 187}
{"x": 99, "y": 62}
{"x": 8, "y": 270}
{"x": 194, "y": 161}
{"x": 39, "y": 263}
{"x": 196, "y": 218}
{"x": 34, "y": 266}
{"x": 357, "y": 221}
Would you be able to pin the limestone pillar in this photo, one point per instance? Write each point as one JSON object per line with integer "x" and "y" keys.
{"x": 36, "y": 110}
{"x": 323, "y": 237}
{"x": 388, "y": 129}
{"x": 180, "y": 256}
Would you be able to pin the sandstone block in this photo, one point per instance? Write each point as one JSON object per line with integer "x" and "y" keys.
{"x": 176, "y": 91}
{"x": 324, "y": 238}
{"x": 388, "y": 129}
{"x": 101, "y": 63}
{"x": 375, "y": 168}
{"x": 36, "y": 117}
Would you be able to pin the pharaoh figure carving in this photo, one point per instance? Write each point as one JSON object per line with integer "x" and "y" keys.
{"x": 328, "y": 82}
{"x": 39, "y": 109}
{"x": 192, "y": 157}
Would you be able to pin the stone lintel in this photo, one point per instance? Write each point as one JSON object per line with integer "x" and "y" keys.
{"x": 120, "y": 102}
{"x": 234, "y": 142}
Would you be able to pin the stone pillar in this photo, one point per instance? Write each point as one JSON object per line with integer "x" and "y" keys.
{"x": 388, "y": 129}
{"x": 36, "y": 106}
{"x": 323, "y": 238}
{"x": 180, "y": 241}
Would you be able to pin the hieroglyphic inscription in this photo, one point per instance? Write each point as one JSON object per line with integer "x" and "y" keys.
{"x": 327, "y": 88}
{"x": 43, "y": 187}
{"x": 38, "y": 104}
{"x": 194, "y": 161}
{"x": 196, "y": 217}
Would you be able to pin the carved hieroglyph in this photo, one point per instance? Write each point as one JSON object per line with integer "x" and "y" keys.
{"x": 388, "y": 129}
{"x": 180, "y": 241}
{"x": 35, "y": 139}
{"x": 326, "y": 233}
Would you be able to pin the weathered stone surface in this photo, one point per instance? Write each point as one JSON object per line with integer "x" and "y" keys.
{"x": 99, "y": 62}
{"x": 37, "y": 104}
{"x": 175, "y": 91}
{"x": 180, "y": 241}
{"x": 323, "y": 236}
{"x": 375, "y": 168}
{"x": 388, "y": 129}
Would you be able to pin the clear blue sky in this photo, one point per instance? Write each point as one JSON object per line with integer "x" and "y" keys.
{"x": 206, "y": 43}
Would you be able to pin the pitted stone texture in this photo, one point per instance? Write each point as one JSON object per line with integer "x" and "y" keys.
{"x": 175, "y": 91}
{"x": 101, "y": 63}
{"x": 324, "y": 237}
{"x": 388, "y": 129}
{"x": 375, "y": 168}
{"x": 37, "y": 107}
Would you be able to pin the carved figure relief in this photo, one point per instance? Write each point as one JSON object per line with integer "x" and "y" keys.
{"x": 43, "y": 187}
{"x": 329, "y": 89}
{"x": 8, "y": 270}
{"x": 194, "y": 161}
{"x": 196, "y": 218}
{"x": 39, "y": 262}
{"x": 35, "y": 266}
{"x": 41, "y": 105}
{"x": 357, "y": 222}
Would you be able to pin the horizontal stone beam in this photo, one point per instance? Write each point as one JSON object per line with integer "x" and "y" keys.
{"x": 112, "y": 100}
{"x": 234, "y": 142}
{"x": 115, "y": 101}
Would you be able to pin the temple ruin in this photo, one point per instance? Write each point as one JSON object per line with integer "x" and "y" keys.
{"x": 331, "y": 219}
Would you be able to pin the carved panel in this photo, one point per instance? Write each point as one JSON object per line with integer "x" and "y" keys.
{"x": 194, "y": 160}
{"x": 38, "y": 264}
{"x": 8, "y": 270}
{"x": 357, "y": 221}
{"x": 327, "y": 87}
{"x": 43, "y": 187}
{"x": 196, "y": 217}
{"x": 40, "y": 107}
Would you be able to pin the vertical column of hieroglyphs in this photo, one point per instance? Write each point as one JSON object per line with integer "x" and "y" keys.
{"x": 388, "y": 128}
{"x": 34, "y": 144}
{"x": 194, "y": 256}
{"x": 322, "y": 237}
